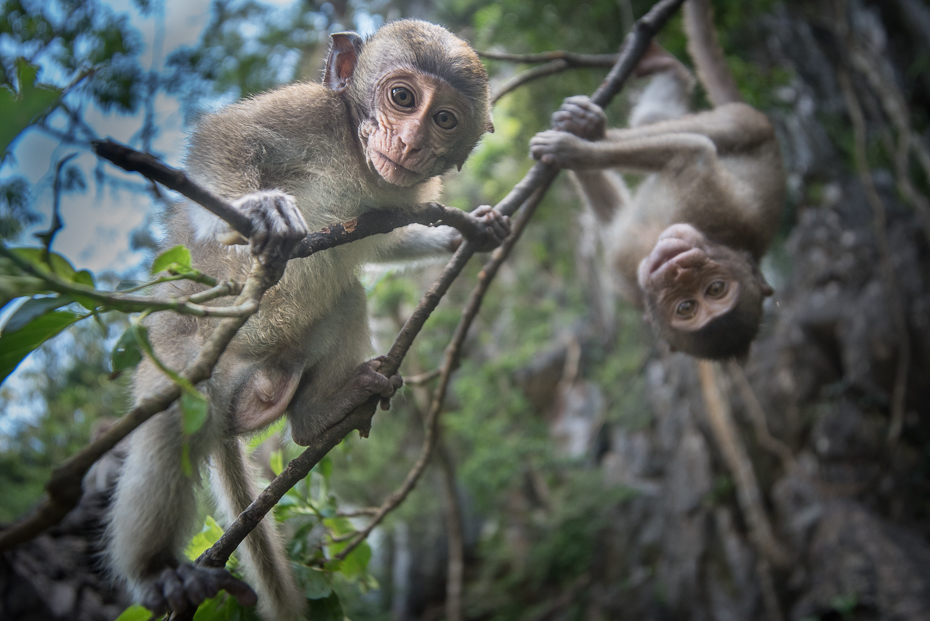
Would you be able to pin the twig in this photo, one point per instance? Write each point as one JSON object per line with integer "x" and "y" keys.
{"x": 574, "y": 59}
{"x": 539, "y": 177}
{"x": 518, "y": 80}
{"x": 55, "y": 225}
{"x": 879, "y": 223}
{"x": 64, "y": 485}
{"x": 757, "y": 414}
{"x": 422, "y": 378}
{"x": 734, "y": 453}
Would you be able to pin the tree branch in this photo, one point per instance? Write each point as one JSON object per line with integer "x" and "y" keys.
{"x": 64, "y": 486}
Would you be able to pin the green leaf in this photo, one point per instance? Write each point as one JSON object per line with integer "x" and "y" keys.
{"x": 194, "y": 409}
{"x": 52, "y": 262}
{"x": 179, "y": 255}
{"x": 324, "y": 467}
{"x": 356, "y": 563}
{"x": 14, "y": 346}
{"x": 277, "y": 462}
{"x": 126, "y": 353}
{"x": 313, "y": 583}
{"x": 19, "y": 110}
{"x": 135, "y": 613}
{"x": 33, "y": 308}
{"x": 202, "y": 541}
{"x": 328, "y": 609}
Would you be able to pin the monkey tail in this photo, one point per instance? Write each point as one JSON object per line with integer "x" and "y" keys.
{"x": 265, "y": 561}
{"x": 705, "y": 50}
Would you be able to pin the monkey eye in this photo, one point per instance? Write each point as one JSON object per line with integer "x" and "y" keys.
{"x": 686, "y": 308}
{"x": 402, "y": 97}
{"x": 716, "y": 288}
{"x": 445, "y": 119}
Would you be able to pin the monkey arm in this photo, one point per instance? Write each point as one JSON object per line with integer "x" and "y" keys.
{"x": 603, "y": 191}
{"x": 645, "y": 154}
{"x": 732, "y": 128}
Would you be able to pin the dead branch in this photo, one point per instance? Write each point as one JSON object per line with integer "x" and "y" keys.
{"x": 734, "y": 452}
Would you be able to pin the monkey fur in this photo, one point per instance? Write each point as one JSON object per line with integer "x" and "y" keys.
{"x": 686, "y": 245}
{"x": 392, "y": 113}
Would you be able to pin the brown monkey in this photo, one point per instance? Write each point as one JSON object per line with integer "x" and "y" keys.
{"x": 687, "y": 244}
{"x": 393, "y": 112}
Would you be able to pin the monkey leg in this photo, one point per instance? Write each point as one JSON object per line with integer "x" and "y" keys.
{"x": 333, "y": 382}
{"x": 152, "y": 516}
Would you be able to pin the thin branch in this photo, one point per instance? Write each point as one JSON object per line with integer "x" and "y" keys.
{"x": 422, "y": 378}
{"x": 64, "y": 485}
{"x": 536, "y": 73}
{"x": 572, "y": 58}
{"x": 757, "y": 415}
{"x": 136, "y": 303}
{"x": 538, "y": 178}
{"x": 740, "y": 466}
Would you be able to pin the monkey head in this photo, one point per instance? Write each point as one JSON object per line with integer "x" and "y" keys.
{"x": 704, "y": 299}
{"x": 418, "y": 93}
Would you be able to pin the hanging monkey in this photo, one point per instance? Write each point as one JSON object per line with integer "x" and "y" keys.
{"x": 393, "y": 113}
{"x": 686, "y": 244}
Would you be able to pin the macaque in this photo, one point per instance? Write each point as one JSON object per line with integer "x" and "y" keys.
{"x": 393, "y": 113}
{"x": 686, "y": 244}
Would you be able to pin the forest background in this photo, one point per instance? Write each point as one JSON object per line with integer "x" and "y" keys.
{"x": 581, "y": 472}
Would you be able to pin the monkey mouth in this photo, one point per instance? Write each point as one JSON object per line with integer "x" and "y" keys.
{"x": 392, "y": 172}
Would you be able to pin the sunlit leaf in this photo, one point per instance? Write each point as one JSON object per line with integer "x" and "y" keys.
{"x": 277, "y": 462}
{"x": 178, "y": 255}
{"x": 314, "y": 583}
{"x": 202, "y": 541}
{"x": 135, "y": 613}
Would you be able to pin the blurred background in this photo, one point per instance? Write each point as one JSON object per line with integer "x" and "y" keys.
{"x": 579, "y": 474}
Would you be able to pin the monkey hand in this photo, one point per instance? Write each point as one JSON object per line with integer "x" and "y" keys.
{"x": 561, "y": 149}
{"x": 582, "y": 117}
{"x": 277, "y": 225}
{"x": 493, "y": 228}
{"x": 185, "y": 587}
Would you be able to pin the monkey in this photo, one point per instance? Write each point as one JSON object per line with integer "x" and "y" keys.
{"x": 686, "y": 245}
{"x": 393, "y": 112}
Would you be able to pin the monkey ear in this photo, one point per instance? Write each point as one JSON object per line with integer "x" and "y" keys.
{"x": 343, "y": 57}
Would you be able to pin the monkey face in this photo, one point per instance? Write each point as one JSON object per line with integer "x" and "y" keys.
{"x": 421, "y": 126}
{"x": 705, "y": 299}
{"x": 690, "y": 281}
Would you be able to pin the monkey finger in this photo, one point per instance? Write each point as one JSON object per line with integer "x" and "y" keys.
{"x": 196, "y": 590}
{"x": 237, "y": 588}
{"x": 385, "y": 403}
{"x": 154, "y": 600}
{"x": 174, "y": 591}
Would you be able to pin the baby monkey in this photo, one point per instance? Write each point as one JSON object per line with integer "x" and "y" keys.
{"x": 393, "y": 112}
{"x": 686, "y": 244}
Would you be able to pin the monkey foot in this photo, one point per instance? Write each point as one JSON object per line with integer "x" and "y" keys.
{"x": 277, "y": 224}
{"x": 184, "y": 588}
